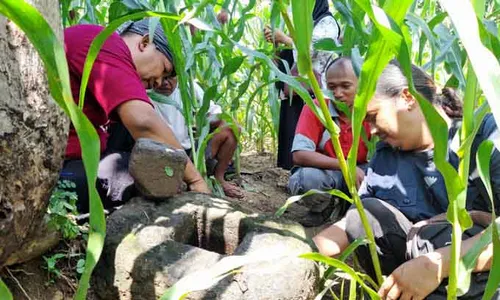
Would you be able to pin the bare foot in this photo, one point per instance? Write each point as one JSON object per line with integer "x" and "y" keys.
{"x": 232, "y": 190}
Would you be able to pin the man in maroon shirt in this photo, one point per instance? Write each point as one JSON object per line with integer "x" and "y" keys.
{"x": 126, "y": 65}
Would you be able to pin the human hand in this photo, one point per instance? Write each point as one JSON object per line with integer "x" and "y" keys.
{"x": 279, "y": 36}
{"x": 415, "y": 279}
{"x": 360, "y": 175}
{"x": 199, "y": 186}
{"x": 268, "y": 34}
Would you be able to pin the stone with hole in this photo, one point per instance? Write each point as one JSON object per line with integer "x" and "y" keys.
{"x": 151, "y": 245}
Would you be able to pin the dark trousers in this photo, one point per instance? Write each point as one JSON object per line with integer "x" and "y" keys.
{"x": 289, "y": 117}
{"x": 114, "y": 183}
{"x": 391, "y": 228}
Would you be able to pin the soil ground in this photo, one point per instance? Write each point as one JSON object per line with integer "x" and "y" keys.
{"x": 264, "y": 192}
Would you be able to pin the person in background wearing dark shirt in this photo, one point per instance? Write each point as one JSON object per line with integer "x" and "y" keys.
{"x": 325, "y": 26}
{"x": 404, "y": 195}
{"x": 126, "y": 66}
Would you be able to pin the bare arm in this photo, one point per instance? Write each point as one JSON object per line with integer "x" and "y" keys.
{"x": 279, "y": 36}
{"x": 142, "y": 122}
{"x": 332, "y": 240}
{"x": 315, "y": 160}
{"x": 417, "y": 278}
{"x": 483, "y": 262}
{"x": 318, "y": 160}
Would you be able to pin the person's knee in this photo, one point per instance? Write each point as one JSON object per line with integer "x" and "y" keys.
{"x": 375, "y": 211}
{"x": 229, "y": 135}
{"x": 224, "y": 138}
{"x": 305, "y": 179}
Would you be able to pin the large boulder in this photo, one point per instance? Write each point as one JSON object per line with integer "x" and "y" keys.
{"x": 150, "y": 246}
{"x": 33, "y": 134}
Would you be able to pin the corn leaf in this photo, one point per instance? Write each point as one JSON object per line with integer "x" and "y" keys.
{"x": 4, "y": 291}
{"x": 343, "y": 256}
{"x": 383, "y": 45}
{"x": 344, "y": 267}
{"x": 486, "y": 66}
{"x": 185, "y": 83}
{"x": 494, "y": 278}
{"x": 427, "y": 34}
{"x": 290, "y": 80}
{"x": 118, "y": 9}
{"x": 205, "y": 279}
{"x": 352, "y": 290}
{"x": 302, "y": 18}
{"x": 296, "y": 198}
{"x": 232, "y": 65}
{"x": 483, "y": 158}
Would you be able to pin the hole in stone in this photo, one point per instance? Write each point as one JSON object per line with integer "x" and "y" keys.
{"x": 5, "y": 213}
{"x": 216, "y": 232}
{"x": 210, "y": 236}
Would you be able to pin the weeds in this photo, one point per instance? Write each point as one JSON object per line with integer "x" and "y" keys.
{"x": 62, "y": 209}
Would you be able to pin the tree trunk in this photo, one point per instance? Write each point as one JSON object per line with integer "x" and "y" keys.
{"x": 33, "y": 133}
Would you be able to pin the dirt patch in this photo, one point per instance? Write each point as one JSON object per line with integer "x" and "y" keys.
{"x": 32, "y": 281}
{"x": 265, "y": 186}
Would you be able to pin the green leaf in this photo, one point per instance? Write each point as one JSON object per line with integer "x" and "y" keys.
{"x": 296, "y": 198}
{"x": 232, "y": 65}
{"x": 290, "y": 80}
{"x": 200, "y": 24}
{"x": 80, "y": 266}
{"x": 352, "y": 290}
{"x": 4, "y": 291}
{"x": 157, "y": 97}
{"x": 302, "y": 18}
{"x": 345, "y": 254}
{"x": 344, "y": 267}
{"x": 485, "y": 64}
{"x": 480, "y": 113}
{"x": 494, "y": 277}
{"x": 210, "y": 94}
{"x": 120, "y": 8}
{"x": 427, "y": 34}
{"x": 169, "y": 171}
{"x": 178, "y": 41}
{"x": 204, "y": 279}
{"x": 327, "y": 44}
{"x": 194, "y": 12}
{"x": 483, "y": 158}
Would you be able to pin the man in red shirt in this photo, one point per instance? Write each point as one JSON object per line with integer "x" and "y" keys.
{"x": 316, "y": 165}
{"x": 127, "y": 64}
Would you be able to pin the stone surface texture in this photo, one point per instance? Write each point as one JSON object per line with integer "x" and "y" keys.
{"x": 157, "y": 169}
{"x": 151, "y": 245}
